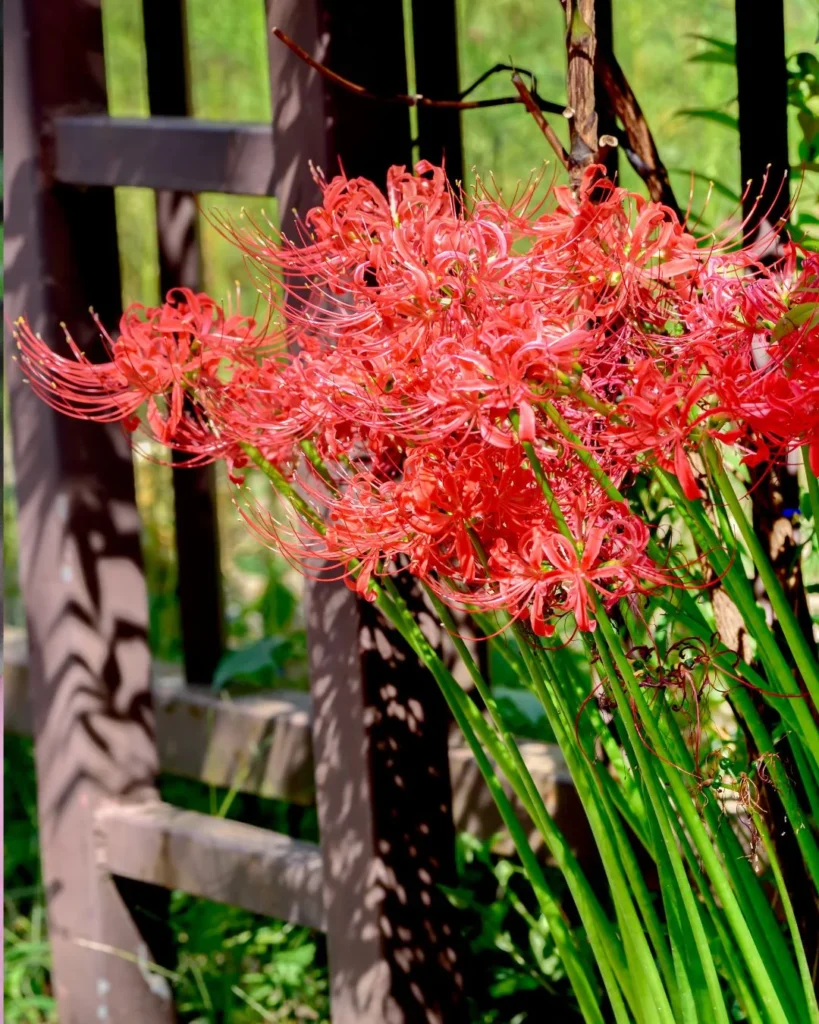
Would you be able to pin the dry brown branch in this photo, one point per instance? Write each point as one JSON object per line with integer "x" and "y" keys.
{"x": 641, "y": 150}
{"x": 637, "y": 141}
{"x": 580, "y": 49}
{"x": 416, "y": 100}
{"x": 549, "y": 133}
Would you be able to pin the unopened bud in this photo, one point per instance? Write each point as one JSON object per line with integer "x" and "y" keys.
{"x": 608, "y": 140}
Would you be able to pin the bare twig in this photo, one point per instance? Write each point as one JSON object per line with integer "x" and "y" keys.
{"x": 636, "y": 141}
{"x": 404, "y": 100}
{"x": 549, "y": 133}
{"x": 546, "y": 105}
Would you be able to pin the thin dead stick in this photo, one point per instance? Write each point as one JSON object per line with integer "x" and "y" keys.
{"x": 416, "y": 100}
{"x": 641, "y": 148}
{"x": 547, "y": 105}
{"x": 637, "y": 142}
{"x": 548, "y": 132}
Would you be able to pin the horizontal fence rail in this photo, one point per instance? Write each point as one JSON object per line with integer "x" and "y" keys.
{"x": 176, "y": 153}
{"x": 262, "y": 745}
{"x": 221, "y": 860}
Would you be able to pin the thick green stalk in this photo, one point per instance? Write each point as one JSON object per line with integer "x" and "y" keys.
{"x": 710, "y": 545}
{"x": 576, "y": 969}
{"x": 759, "y": 972}
{"x": 779, "y": 674}
{"x": 585, "y": 456}
{"x": 597, "y": 925}
{"x": 795, "y": 815}
{"x": 657, "y": 799}
{"x": 610, "y": 808}
{"x": 412, "y": 633}
{"x": 668, "y": 852}
{"x": 813, "y": 490}
{"x": 623, "y": 791}
{"x": 649, "y": 988}
{"x": 612, "y": 491}
{"x": 797, "y": 642}
{"x": 808, "y": 781}
{"x": 693, "y": 995}
{"x": 804, "y": 970}
{"x": 743, "y": 878}
{"x": 283, "y": 486}
{"x": 609, "y": 811}
{"x": 756, "y": 907}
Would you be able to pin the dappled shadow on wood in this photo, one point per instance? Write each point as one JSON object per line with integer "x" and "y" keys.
{"x": 384, "y": 802}
{"x": 80, "y": 559}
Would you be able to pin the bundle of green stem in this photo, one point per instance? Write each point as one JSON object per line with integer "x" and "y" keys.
{"x": 716, "y": 937}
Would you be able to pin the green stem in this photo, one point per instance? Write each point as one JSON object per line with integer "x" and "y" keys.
{"x": 803, "y": 656}
{"x": 649, "y": 990}
{"x": 790, "y": 917}
{"x": 669, "y": 857}
{"x": 779, "y": 674}
{"x": 813, "y": 489}
{"x": 576, "y": 969}
{"x": 598, "y": 927}
{"x": 702, "y": 841}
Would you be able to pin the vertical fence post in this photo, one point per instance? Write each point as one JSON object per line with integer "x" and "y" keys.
{"x": 380, "y": 726}
{"x": 435, "y": 46}
{"x": 606, "y": 118}
{"x": 80, "y": 558}
{"x": 194, "y": 489}
{"x": 762, "y": 88}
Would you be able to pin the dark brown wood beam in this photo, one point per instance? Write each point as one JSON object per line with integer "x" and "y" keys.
{"x": 176, "y": 153}
{"x": 214, "y": 858}
{"x": 435, "y": 46}
{"x": 262, "y": 745}
{"x": 380, "y": 727}
{"x": 80, "y": 561}
{"x": 762, "y": 88}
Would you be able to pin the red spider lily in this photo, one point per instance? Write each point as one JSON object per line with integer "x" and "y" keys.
{"x": 427, "y": 340}
{"x": 660, "y": 419}
{"x": 161, "y": 356}
{"x": 765, "y": 365}
{"x": 549, "y": 575}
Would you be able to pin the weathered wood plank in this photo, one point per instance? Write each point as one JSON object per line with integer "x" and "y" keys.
{"x": 215, "y": 858}
{"x": 80, "y": 561}
{"x": 177, "y": 153}
{"x": 262, "y": 745}
{"x": 259, "y": 745}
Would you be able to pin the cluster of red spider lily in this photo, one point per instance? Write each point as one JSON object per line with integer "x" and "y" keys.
{"x": 440, "y": 360}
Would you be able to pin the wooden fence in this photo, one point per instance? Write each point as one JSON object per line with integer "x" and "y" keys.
{"x": 371, "y": 747}
{"x": 261, "y": 745}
